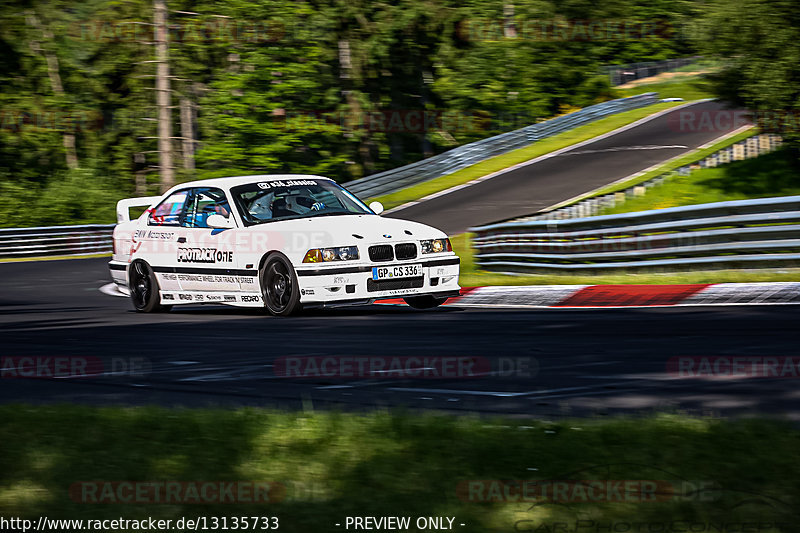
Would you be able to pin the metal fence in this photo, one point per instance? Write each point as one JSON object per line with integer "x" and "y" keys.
{"x": 55, "y": 240}
{"x": 594, "y": 205}
{"x": 622, "y": 74}
{"x": 472, "y": 153}
{"x": 762, "y": 232}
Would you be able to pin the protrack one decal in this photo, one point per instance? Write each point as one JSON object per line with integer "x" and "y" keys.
{"x": 204, "y": 255}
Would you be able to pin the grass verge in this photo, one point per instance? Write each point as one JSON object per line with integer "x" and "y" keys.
{"x": 688, "y": 88}
{"x": 551, "y": 144}
{"x": 471, "y": 276}
{"x": 683, "y": 160}
{"x": 773, "y": 174}
{"x": 337, "y": 465}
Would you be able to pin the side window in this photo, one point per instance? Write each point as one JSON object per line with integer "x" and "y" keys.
{"x": 170, "y": 212}
{"x": 204, "y": 202}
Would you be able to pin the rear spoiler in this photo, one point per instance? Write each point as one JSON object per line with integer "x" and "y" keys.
{"x": 123, "y": 206}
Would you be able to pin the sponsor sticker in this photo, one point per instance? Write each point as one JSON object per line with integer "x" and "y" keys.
{"x": 284, "y": 183}
{"x": 204, "y": 255}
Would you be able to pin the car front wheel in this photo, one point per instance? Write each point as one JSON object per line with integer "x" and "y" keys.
{"x": 424, "y": 302}
{"x": 279, "y": 286}
{"x": 144, "y": 290}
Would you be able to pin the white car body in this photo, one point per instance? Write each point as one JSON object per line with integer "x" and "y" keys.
{"x": 223, "y": 266}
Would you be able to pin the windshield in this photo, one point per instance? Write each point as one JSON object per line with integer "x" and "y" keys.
{"x": 283, "y": 199}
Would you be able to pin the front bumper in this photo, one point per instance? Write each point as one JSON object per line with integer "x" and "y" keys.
{"x": 334, "y": 283}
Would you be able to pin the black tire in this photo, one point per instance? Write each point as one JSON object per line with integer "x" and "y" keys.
{"x": 279, "y": 286}
{"x": 424, "y": 302}
{"x": 145, "y": 293}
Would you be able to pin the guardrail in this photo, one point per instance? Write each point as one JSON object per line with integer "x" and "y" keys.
{"x": 475, "y": 152}
{"x": 56, "y": 240}
{"x": 762, "y": 232}
{"x": 748, "y": 148}
{"x": 622, "y": 74}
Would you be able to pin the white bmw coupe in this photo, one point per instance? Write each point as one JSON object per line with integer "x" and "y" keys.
{"x": 282, "y": 242}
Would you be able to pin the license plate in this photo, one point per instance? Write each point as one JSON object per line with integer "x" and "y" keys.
{"x": 392, "y": 272}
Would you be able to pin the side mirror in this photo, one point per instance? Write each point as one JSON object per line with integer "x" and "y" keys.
{"x": 217, "y": 221}
{"x": 377, "y": 207}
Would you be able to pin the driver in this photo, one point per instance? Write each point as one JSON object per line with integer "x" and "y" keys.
{"x": 301, "y": 204}
{"x": 261, "y": 208}
{"x": 222, "y": 209}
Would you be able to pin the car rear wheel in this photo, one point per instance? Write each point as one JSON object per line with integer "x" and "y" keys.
{"x": 279, "y": 287}
{"x": 143, "y": 285}
{"x": 424, "y": 302}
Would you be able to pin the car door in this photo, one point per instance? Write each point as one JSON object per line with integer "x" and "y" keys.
{"x": 157, "y": 240}
{"x": 206, "y": 258}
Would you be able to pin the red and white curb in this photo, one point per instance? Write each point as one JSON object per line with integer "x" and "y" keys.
{"x": 586, "y": 296}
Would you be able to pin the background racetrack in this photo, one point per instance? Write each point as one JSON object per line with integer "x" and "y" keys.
{"x": 575, "y": 171}
{"x": 583, "y": 361}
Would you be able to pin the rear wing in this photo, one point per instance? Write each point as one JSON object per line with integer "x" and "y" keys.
{"x": 124, "y": 206}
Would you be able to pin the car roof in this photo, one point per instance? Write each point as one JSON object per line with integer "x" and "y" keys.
{"x": 233, "y": 181}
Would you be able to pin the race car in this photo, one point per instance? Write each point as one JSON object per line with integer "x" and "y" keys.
{"x": 281, "y": 242}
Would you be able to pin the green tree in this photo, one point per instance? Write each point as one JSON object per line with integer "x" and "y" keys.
{"x": 759, "y": 40}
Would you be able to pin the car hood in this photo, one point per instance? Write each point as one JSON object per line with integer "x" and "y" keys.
{"x": 344, "y": 230}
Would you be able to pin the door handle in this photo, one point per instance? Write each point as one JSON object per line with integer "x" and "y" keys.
{"x": 181, "y": 239}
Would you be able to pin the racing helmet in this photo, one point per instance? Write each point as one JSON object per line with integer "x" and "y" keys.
{"x": 301, "y": 202}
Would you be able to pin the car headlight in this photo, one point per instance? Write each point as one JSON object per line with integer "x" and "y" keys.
{"x": 325, "y": 255}
{"x": 433, "y": 246}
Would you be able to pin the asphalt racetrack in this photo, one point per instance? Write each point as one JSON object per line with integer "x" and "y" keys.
{"x": 544, "y": 363}
{"x": 576, "y": 171}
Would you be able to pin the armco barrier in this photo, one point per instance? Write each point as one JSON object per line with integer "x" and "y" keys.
{"x": 750, "y": 147}
{"x": 622, "y": 74}
{"x": 757, "y": 233}
{"x": 472, "y": 153}
{"x": 91, "y": 239}
{"x": 55, "y": 240}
